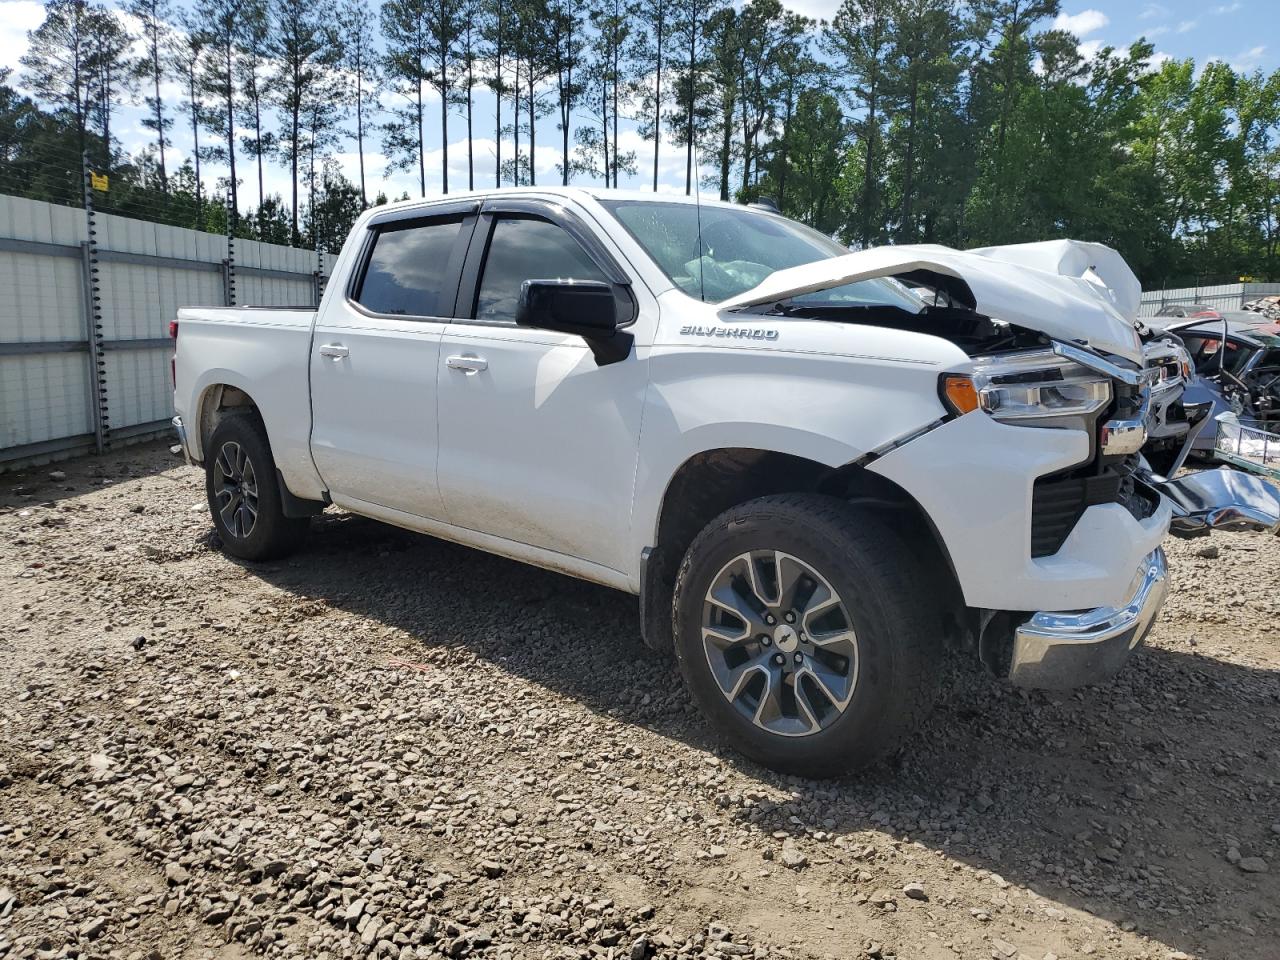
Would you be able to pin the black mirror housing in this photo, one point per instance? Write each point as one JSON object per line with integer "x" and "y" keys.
{"x": 584, "y": 308}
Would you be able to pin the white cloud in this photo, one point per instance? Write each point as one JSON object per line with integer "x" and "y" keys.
{"x": 1155, "y": 32}
{"x": 1250, "y": 59}
{"x": 1227, "y": 8}
{"x": 16, "y": 18}
{"x": 1153, "y": 10}
{"x": 1081, "y": 24}
{"x": 815, "y": 9}
{"x": 1186, "y": 26}
{"x": 1158, "y": 60}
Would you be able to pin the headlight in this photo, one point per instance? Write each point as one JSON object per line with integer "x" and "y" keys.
{"x": 1185, "y": 364}
{"x": 1027, "y": 386}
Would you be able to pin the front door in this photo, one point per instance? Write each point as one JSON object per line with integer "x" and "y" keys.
{"x": 374, "y": 361}
{"x": 538, "y": 443}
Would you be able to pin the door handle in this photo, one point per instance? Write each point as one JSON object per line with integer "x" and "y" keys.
{"x": 335, "y": 351}
{"x": 467, "y": 364}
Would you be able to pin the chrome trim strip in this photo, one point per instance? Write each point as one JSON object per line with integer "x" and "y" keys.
{"x": 1086, "y": 358}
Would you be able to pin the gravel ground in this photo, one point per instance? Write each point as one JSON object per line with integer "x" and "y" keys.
{"x": 389, "y": 746}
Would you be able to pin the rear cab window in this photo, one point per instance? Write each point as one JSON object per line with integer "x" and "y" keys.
{"x": 406, "y": 268}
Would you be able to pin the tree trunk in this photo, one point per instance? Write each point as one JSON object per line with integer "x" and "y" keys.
{"x": 515, "y": 123}
{"x": 868, "y": 168}
{"x": 364, "y": 194}
{"x": 657, "y": 103}
{"x": 533, "y": 133}
{"x": 908, "y": 161}
{"x": 295, "y": 105}
{"x": 257, "y": 135}
{"x": 422, "y": 145}
{"x": 726, "y": 147}
{"x": 444, "y": 123}
{"x": 497, "y": 122}
{"x": 471, "y": 166}
{"x": 604, "y": 125}
{"x": 231, "y": 136}
{"x": 156, "y": 71}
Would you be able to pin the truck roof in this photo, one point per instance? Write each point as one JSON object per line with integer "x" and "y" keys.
{"x": 595, "y": 193}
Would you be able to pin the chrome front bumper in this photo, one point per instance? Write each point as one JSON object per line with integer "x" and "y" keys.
{"x": 1060, "y": 651}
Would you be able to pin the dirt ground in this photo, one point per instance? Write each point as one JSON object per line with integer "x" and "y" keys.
{"x": 391, "y": 746}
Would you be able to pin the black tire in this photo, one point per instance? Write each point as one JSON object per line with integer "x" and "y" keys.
{"x": 885, "y": 599}
{"x": 271, "y": 534}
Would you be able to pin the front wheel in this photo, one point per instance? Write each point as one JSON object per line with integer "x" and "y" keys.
{"x": 805, "y": 633}
{"x": 244, "y": 498}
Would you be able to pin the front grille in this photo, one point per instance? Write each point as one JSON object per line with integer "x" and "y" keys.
{"x": 1059, "y": 500}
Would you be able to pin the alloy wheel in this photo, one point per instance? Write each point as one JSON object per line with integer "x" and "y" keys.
{"x": 235, "y": 490}
{"x": 780, "y": 643}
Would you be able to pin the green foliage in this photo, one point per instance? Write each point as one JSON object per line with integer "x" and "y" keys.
{"x": 962, "y": 122}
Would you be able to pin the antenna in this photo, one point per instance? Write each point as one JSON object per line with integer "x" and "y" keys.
{"x": 697, "y": 205}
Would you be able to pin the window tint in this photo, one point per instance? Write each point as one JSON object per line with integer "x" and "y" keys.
{"x": 523, "y": 249}
{"x": 406, "y": 267}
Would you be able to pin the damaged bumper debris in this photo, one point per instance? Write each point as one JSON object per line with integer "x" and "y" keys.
{"x": 1059, "y": 651}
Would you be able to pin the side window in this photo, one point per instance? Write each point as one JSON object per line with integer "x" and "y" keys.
{"x": 406, "y": 267}
{"x": 521, "y": 249}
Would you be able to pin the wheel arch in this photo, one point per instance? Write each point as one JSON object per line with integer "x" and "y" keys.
{"x": 712, "y": 481}
{"x": 215, "y": 401}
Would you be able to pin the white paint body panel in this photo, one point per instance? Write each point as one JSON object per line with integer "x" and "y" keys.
{"x": 374, "y": 433}
{"x": 264, "y": 353}
{"x": 546, "y": 457}
{"x": 973, "y": 476}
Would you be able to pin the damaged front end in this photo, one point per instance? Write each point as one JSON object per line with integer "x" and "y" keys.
{"x": 1067, "y": 649}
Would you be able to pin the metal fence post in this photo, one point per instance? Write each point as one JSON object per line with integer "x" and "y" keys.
{"x": 229, "y": 264}
{"x": 93, "y": 316}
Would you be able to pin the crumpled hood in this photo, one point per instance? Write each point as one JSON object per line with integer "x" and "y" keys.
{"x": 1067, "y": 289}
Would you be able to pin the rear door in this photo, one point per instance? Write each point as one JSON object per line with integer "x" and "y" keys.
{"x": 375, "y": 356}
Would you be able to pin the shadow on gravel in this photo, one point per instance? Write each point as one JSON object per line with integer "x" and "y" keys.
{"x": 68, "y": 479}
{"x": 1122, "y": 800}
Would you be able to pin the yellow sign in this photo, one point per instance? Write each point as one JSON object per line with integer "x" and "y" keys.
{"x": 98, "y": 181}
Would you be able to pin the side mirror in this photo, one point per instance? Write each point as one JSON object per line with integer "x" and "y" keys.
{"x": 585, "y": 308}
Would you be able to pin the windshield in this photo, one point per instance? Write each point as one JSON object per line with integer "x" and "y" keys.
{"x": 739, "y": 248}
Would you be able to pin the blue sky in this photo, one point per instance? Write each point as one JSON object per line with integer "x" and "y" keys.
{"x": 1239, "y": 32}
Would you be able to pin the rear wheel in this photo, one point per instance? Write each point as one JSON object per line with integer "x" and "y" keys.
{"x": 244, "y": 498}
{"x": 806, "y": 634}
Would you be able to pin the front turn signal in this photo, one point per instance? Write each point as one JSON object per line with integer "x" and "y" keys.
{"x": 959, "y": 393}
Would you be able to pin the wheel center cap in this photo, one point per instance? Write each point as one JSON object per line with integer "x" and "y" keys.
{"x": 785, "y": 638}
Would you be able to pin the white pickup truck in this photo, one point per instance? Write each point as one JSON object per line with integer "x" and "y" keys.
{"x": 817, "y": 469}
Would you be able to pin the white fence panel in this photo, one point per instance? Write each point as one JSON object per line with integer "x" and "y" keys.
{"x": 49, "y": 402}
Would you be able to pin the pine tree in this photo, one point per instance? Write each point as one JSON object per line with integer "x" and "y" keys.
{"x": 254, "y": 82}
{"x": 443, "y": 29}
{"x": 650, "y": 56}
{"x": 359, "y": 60}
{"x": 153, "y": 69}
{"x": 860, "y": 39}
{"x": 58, "y": 64}
{"x": 220, "y": 22}
{"x": 404, "y": 26}
{"x": 302, "y": 45}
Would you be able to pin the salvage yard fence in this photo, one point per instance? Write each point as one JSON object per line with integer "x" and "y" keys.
{"x": 85, "y": 305}
{"x": 1227, "y": 296}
